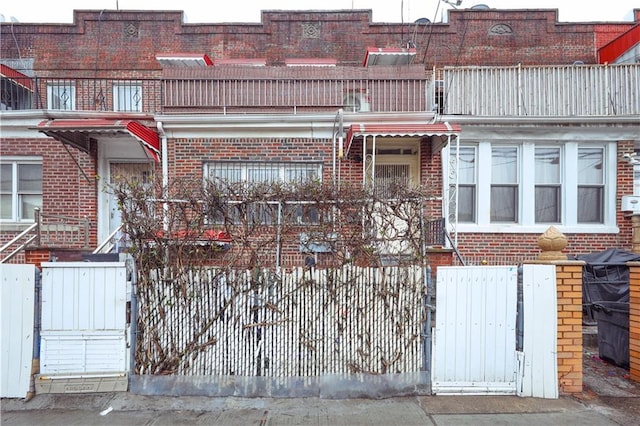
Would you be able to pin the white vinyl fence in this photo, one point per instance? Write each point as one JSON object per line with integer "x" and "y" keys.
{"x": 17, "y": 316}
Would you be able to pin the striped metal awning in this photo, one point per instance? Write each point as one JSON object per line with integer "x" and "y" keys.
{"x": 440, "y": 133}
{"x": 79, "y": 132}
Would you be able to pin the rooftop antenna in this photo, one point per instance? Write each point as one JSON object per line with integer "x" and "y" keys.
{"x": 453, "y": 3}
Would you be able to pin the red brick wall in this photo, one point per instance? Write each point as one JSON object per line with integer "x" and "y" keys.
{"x": 104, "y": 41}
{"x": 66, "y": 190}
{"x": 634, "y": 321}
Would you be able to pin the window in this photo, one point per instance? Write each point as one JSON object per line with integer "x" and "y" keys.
{"x": 524, "y": 187}
{"x": 466, "y": 197}
{"x": 61, "y": 96}
{"x": 127, "y": 97}
{"x": 547, "y": 185}
{"x": 590, "y": 198}
{"x": 504, "y": 184}
{"x": 258, "y": 172}
{"x": 20, "y": 189}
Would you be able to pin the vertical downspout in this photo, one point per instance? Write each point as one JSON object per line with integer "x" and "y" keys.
{"x": 165, "y": 175}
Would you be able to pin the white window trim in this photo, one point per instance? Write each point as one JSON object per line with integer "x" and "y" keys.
{"x": 15, "y": 161}
{"x": 72, "y": 95}
{"x": 116, "y": 97}
{"x": 569, "y": 183}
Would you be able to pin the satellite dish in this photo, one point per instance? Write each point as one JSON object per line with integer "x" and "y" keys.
{"x": 480, "y": 7}
{"x": 423, "y": 21}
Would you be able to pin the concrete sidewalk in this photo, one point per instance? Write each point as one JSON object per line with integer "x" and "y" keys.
{"x": 124, "y": 408}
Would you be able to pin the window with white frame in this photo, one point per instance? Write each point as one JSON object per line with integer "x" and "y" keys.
{"x": 61, "y": 96}
{"x": 504, "y": 184}
{"x": 20, "y": 189}
{"x": 548, "y": 185}
{"x": 530, "y": 185}
{"x": 464, "y": 164}
{"x": 262, "y": 172}
{"x": 590, "y": 197}
{"x": 127, "y": 97}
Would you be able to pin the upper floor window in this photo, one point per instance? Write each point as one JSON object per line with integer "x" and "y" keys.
{"x": 531, "y": 184}
{"x": 127, "y": 97}
{"x": 61, "y": 96}
{"x": 20, "y": 189}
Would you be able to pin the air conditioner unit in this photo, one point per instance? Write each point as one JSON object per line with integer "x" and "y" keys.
{"x": 356, "y": 101}
{"x": 631, "y": 203}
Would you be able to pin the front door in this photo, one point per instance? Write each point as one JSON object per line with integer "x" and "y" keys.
{"x": 125, "y": 173}
{"x": 392, "y": 164}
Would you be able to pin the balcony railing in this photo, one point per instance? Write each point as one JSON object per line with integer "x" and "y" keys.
{"x": 560, "y": 91}
{"x": 549, "y": 91}
{"x": 49, "y": 231}
{"x": 81, "y": 94}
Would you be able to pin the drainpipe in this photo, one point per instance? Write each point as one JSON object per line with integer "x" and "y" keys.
{"x": 165, "y": 174}
{"x": 338, "y": 118}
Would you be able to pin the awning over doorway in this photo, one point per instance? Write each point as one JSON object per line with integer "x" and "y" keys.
{"x": 438, "y": 132}
{"x": 80, "y": 132}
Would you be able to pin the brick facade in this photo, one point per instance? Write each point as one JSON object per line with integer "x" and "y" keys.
{"x": 108, "y": 41}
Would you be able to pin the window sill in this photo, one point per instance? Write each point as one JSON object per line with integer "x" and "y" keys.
{"x": 14, "y": 226}
{"x": 536, "y": 229}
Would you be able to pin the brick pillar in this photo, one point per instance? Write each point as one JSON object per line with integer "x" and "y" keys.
{"x": 634, "y": 320}
{"x": 570, "y": 350}
{"x": 569, "y": 290}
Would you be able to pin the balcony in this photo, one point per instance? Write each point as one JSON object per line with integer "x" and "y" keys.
{"x": 550, "y": 91}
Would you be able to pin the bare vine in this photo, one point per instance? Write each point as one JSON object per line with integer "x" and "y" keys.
{"x": 203, "y": 250}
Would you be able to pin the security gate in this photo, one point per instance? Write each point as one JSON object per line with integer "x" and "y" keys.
{"x": 475, "y": 348}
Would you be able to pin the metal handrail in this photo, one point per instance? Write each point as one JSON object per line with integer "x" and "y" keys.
{"x": 107, "y": 241}
{"x": 18, "y": 249}
{"x": 18, "y": 238}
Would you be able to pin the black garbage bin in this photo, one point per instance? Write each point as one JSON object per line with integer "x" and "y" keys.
{"x": 613, "y": 331}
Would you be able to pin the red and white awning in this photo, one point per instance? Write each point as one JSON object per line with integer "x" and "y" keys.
{"x": 389, "y": 56}
{"x": 184, "y": 60}
{"x": 16, "y": 77}
{"x": 440, "y": 133}
{"x": 79, "y": 132}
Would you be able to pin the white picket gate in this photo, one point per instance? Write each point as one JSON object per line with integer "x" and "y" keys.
{"x": 474, "y": 338}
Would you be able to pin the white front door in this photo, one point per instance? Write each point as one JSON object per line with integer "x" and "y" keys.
{"x": 123, "y": 172}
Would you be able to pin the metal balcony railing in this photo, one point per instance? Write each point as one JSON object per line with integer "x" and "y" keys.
{"x": 549, "y": 91}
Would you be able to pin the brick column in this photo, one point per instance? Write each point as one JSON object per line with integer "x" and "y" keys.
{"x": 634, "y": 320}
{"x": 570, "y": 350}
